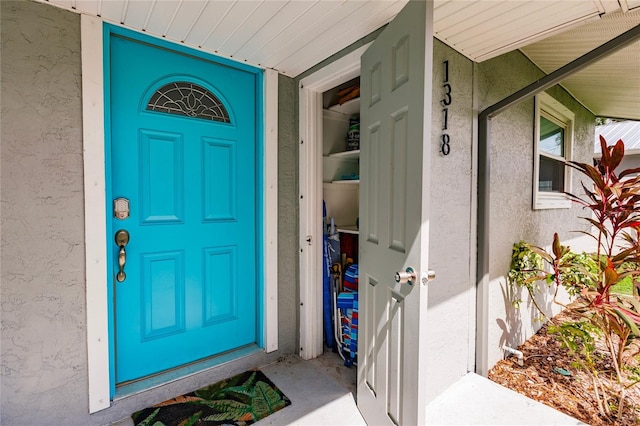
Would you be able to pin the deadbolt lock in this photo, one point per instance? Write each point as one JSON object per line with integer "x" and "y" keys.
{"x": 121, "y": 208}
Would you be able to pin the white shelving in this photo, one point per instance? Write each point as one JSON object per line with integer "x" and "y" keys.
{"x": 341, "y": 195}
{"x": 350, "y": 107}
{"x": 349, "y": 230}
{"x": 354, "y": 154}
{"x": 335, "y": 166}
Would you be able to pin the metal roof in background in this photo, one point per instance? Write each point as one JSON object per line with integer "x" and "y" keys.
{"x": 628, "y": 131}
{"x": 292, "y": 36}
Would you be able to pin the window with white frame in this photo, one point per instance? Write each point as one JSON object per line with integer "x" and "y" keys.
{"x": 553, "y": 143}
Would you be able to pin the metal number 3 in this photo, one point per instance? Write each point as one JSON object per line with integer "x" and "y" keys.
{"x": 447, "y": 95}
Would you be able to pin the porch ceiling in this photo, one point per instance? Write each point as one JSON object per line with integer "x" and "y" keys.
{"x": 292, "y": 36}
{"x": 611, "y": 87}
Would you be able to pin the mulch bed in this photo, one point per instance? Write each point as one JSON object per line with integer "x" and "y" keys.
{"x": 573, "y": 395}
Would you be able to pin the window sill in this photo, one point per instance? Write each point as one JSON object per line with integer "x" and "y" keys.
{"x": 547, "y": 201}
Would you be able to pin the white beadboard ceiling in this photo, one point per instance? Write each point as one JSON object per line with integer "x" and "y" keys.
{"x": 610, "y": 87}
{"x": 292, "y": 36}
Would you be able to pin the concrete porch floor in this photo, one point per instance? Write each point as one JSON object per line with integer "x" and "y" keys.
{"x": 322, "y": 392}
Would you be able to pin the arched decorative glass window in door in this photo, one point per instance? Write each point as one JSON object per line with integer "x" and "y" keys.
{"x": 188, "y": 99}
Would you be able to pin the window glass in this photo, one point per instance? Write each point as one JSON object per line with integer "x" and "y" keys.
{"x": 551, "y": 138}
{"x": 552, "y": 148}
{"x": 551, "y": 144}
{"x": 551, "y": 175}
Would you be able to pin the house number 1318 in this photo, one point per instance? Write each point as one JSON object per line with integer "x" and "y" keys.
{"x": 446, "y": 100}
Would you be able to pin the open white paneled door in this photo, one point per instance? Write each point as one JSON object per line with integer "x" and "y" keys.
{"x": 394, "y": 218}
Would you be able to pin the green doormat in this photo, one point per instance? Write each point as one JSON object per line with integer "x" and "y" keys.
{"x": 240, "y": 400}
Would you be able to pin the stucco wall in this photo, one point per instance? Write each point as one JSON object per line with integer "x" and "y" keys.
{"x": 288, "y": 214}
{"x": 512, "y": 217}
{"x": 43, "y": 300}
{"x": 44, "y": 356}
{"x": 451, "y": 298}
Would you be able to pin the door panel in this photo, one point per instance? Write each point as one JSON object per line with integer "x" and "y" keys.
{"x": 220, "y": 302}
{"x": 162, "y": 294}
{"x": 161, "y": 177}
{"x": 183, "y": 152}
{"x": 394, "y": 215}
{"x": 220, "y": 178}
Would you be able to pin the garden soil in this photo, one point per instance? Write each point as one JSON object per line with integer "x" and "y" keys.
{"x": 549, "y": 376}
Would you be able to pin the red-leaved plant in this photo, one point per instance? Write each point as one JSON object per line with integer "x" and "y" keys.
{"x": 613, "y": 201}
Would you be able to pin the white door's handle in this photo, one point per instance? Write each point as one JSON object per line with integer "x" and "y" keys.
{"x": 406, "y": 277}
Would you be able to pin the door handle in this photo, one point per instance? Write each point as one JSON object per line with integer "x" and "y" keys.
{"x": 406, "y": 277}
{"x": 122, "y": 239}
{"x": 409, "y": 276}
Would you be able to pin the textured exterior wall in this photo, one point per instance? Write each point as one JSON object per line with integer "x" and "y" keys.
{"x": 288, "y": 217}
{"x": 451, "y": 299}
{"x": 43, "y": 315}
{"x": 512, "y": 217}
{"x": 43, "y": 299}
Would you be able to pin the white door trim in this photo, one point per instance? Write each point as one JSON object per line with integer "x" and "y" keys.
{"x": 96, "y": 221}
{"x": 310, "y": 180}
{"x": 270, "y": 214}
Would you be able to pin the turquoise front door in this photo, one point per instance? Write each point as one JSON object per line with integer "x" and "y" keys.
{"x": 183, "y": 172}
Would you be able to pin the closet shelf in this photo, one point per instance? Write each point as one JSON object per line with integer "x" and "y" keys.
{"x": 350, "y": 107}
{"x": 346, "y": 154}
{"x": 348, "y": 230}
{"x": 347, "y": 182}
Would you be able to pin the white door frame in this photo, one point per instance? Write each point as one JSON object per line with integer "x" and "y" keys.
{"x": 95, "y": 212}
{"x": 310, "y": 179}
